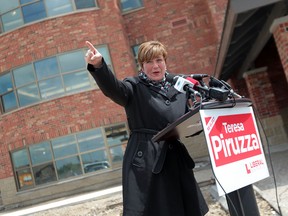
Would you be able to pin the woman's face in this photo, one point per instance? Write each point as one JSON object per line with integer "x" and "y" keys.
{"x": 155, "y": 68}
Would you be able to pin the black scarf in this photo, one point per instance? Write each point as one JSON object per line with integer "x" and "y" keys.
{"x": 162, "y": 84}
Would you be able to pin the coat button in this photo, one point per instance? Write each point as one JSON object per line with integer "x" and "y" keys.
{"x": 170, "y": 146}
{"x": 167, "y": 102}
{"x": 139, "y": 153}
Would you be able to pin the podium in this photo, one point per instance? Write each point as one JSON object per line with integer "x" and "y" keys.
{"x": 236, "y": 165}
{"x": 190, "y": 124}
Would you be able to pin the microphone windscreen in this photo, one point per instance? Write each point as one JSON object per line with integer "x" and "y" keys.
{"x": 171, "y": 78}
{"x": 215, "y": 83}
{"x": 193, "y": 81}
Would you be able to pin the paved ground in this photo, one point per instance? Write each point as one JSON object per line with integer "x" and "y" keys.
{"x": 277, "y": 184}
{"x": 278, "y": 166}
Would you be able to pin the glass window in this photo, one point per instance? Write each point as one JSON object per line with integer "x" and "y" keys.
{"x": 26, "y": 1}
{"x": 116, "y": 134}
{"x": 9, "y": 101}
{"x": 35, "y": 11}
{"x": 51, "y": 88}
{"x": 55, "y": 7}
{"x": 135, "y": 50}
{"x": 20, "y": 158}
{"x": 46, "y": 68}
{"x": 14, "y": 15}
{"x": 117, "y": 137}
{"x": 12, "y": 20}
{"x": 8, "y": 5}
{"x": 44, "y": 173}
{"x": 105, "y": 53}
{"x": 117, "y": 153}
{"x": 24, "y": 75}
{"x": 64, "y": 146}
{"x": 6, "y": 83}
{"x": 72, "y": 61}
{"x": 68, "y": 167}
{"x": 24, "y": 178}
{"x": 80, "y": 4}
{"x": 135, "y": 53}
{"x": 127, "y": 5}
{"x": 75, "y": 82}
{"x": 59, "y": 158}
{"x": 42, "y": 79}
{"x": 95, "y": 161}
{"x": 90, "y": 140}
{"x": 28, "y": 94}
{"x": 40, "y": 153}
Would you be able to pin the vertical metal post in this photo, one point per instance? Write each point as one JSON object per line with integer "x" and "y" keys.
{"x": 242, "y": 202}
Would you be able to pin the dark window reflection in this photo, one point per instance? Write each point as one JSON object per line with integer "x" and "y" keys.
{"x": 80, "y": 4}
{"x": 44, "y": 174}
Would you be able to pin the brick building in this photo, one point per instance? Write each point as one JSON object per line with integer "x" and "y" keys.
{"x": 59, "y": 135}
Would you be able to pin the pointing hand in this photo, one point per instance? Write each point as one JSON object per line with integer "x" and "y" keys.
{"x": 92, "y": 56}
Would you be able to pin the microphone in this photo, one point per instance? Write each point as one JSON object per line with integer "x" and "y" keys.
{"x": 222, "y": 85}
{"x": 192, "y": 86}
{"x": 198, "y": 76}
{"x": 208, "y": 93}
{"x": 186, "y": 86}
{"x": 171, "y": 78}
{"x": 183, "y": 85}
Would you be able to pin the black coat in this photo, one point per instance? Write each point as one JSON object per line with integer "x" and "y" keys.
{"x": 157, "y": 177}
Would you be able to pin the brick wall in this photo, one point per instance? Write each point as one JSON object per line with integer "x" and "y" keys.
{"x": 261, "y": 92}
{"x": 218, "y": 11}
{"x": 185, "y": 27}
{"x": 280, "y": 33}
{"x": 55, "y": 118}
{"x": 270, "y": 57}
{"x": 266, "y": 108}
{"x": 57, "y": 35}
{"x": 72, "y": 113}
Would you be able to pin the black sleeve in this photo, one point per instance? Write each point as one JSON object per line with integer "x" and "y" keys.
{"x": 118, "y": 91}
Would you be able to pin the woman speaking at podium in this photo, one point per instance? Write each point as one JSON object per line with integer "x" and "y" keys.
{"x": 157, "y": 179}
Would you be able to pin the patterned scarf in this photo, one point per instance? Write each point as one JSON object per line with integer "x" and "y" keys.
{"x": 162, "y": 84}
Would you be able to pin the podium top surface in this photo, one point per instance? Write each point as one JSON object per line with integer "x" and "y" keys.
{"x": 190, "y": 124}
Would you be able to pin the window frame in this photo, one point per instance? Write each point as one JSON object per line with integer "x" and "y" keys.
{"x": 125, "y": 11}
{"x": 23, "y": 23}
{"x": 106, "y": 148}
{"x": 89, "y": 85}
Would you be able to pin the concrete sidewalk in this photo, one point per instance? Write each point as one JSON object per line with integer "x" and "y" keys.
{"x": 278, "y": 169}
{"x": 63, "y": 202}
{"x": 277, "y": 184}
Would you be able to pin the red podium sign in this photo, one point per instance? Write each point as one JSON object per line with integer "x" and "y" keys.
{"x": 235, "y": 147}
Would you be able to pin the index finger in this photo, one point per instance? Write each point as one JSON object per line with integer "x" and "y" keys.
{"x": 91, "y": 47}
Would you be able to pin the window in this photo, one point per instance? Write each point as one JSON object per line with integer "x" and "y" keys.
{"x": 68, "y": 167}
{"x": 128, "y": 5}
{"x": 69, "y": 156}
{"x": 23, "y": 172}
{"x": 80, "y": 4}
{"x": 46, "y": 68}
{"x": 56, "y": 7}
{"x": 135, "y": 54}
{"x": 12, "y": 20}
{"x": 27, "y": 90}
{"x": 14, "y": 15}
{"x": 32, "y": 12}
{"x": 8, "y": 97}
{"x": 8, "y": 5}
{"x": 116, "y": 138}
{"x": 46, "y": 79}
